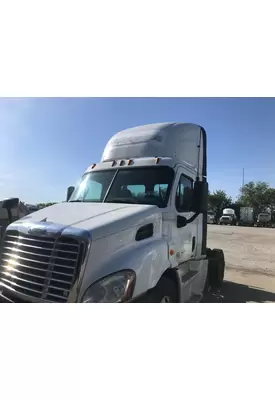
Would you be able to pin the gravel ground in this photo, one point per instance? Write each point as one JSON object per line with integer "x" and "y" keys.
{"x": 250, "y": 263}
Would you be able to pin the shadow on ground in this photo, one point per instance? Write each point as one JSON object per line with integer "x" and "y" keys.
{"x": 232, "y": 292}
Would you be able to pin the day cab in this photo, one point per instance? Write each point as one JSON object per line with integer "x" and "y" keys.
{"x": 133, "y": 230}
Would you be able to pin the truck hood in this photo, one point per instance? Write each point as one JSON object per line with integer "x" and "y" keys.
{"x": 101, "y": 219}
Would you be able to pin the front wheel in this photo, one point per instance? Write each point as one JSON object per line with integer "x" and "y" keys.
{"x": 164, "y": 292}
{"x": 216, "y": 268}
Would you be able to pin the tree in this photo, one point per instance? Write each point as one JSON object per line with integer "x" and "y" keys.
{"x": 218, "y": 200}
{"x": 43, "y": 205}
{"x": 257, "y": 195}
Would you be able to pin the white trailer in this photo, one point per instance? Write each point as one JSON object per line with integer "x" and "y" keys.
{"x": 133, "y": 230}
{"x": 246, "y": 216}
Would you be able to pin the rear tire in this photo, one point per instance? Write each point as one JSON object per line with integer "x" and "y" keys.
{"x": 164, "y": 292}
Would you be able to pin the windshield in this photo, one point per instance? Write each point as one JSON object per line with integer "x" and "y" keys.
{"x": 150, "y": 185}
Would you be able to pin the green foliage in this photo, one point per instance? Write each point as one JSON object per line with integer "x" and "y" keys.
{"x": 218, "y": 200}
{"x": 43, "y": 205}
{"x": 258, "y": 195}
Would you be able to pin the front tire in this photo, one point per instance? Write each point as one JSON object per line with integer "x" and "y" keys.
{"x": 164, "y": 292}
{"x": 216, "y": 268}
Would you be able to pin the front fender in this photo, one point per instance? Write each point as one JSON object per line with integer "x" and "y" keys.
{"x": 149, "y": 260}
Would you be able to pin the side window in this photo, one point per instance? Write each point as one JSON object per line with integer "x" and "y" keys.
{"x": 184, "y": 194}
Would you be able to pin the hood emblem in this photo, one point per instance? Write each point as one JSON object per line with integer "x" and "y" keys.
{"x": 38, "y": 231}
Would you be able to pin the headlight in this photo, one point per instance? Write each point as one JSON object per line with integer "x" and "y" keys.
{"x": 115, "y": 288}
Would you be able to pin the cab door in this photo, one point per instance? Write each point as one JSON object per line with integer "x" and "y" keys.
{"x": 185, "y": 238}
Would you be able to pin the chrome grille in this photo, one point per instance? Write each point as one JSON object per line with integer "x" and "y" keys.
{"x": 41, "y": 267}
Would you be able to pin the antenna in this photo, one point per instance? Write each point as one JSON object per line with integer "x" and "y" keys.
{"x": 243, "y": 178}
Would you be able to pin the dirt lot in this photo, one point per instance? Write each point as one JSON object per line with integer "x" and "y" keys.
{"x": 250, "y": 263}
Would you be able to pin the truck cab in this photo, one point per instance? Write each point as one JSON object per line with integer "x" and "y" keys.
{"x": 264, "y": 220}
{"x": 133, "y": 230}
{"x": 9, "y": 214}
{"x": 228, "y": 217}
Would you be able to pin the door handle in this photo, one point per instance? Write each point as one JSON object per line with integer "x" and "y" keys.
{"x": 193, "y": 243}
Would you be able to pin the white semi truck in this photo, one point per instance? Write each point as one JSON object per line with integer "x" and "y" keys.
{"x": 228, "y": 217}
{"x": 133, "y": 230}
{"x": 264, "y": 220}
{"x": 18, "y": 211}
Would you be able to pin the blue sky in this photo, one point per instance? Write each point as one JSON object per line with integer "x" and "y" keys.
{"x": 46, "y": 144}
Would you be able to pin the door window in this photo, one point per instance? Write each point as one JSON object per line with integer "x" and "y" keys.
{"x": 184, "y": 194}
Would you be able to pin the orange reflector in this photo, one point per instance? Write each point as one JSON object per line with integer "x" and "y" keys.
{"x": 129, "y": 162}
{"x": 172, "y": 252}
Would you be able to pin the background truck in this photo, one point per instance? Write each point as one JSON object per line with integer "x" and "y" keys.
{"x": 133, "y": 230}
{"x": 211, "y": 217}
{"x": 264, "y": 220}
{"x": 228, "y": 217}
{"x": 17, "y": 211}
{"x": 246, "y": 216}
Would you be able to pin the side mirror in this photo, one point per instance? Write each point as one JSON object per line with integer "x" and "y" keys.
{"x": 200, "y": 198}
{"x": 70, "y": 191}
{"x": 9, "y": 204}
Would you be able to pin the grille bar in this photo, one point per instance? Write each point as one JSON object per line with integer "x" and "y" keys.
{"x": 17, "y": 250}
{"x": 36, "y": 239}
{"x": 15, "y": 257}
{"x": 33, "y": 283}
{"x": 16, "y": 271}
{"x": 38, "y": 247}
{"x": 17, "y": 285}
{"x": 40, "y": 267}
{"x": 27, "y": 266}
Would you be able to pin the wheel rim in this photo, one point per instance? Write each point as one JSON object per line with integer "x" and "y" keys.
{"x": 165, "y": 299}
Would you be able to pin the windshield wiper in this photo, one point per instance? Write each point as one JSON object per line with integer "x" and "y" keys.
{"x": 124, "y": 201}
{"x": 76, "y": 201}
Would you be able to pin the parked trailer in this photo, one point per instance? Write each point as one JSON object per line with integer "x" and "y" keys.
{"x": 246, "y": 216}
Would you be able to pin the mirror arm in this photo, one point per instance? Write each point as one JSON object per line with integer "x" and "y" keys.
{"x": 9, "y": 215}
{"x": 188, "y": 221}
